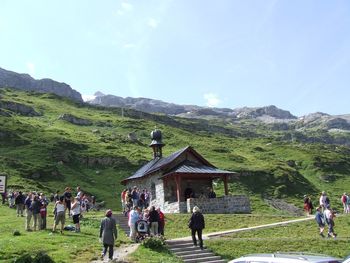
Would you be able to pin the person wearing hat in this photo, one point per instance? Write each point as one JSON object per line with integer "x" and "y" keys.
{"x": 197, "y": 224}
{"x": 108, "y": 233}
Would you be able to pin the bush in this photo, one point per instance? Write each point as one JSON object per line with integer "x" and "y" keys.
{"x": 40, "y": 257}
{"x": 154, "y": 243}
{"x": 16, "y": 233}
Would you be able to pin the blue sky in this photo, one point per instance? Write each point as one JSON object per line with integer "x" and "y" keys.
{"x": 224, "y": 53}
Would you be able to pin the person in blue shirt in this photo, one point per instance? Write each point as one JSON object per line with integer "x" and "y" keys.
{"x": 319, "y": 217}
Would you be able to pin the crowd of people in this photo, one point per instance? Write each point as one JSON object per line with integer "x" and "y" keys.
{"x": 135, "y": 197}
{"x": 34, "y": 207}
{"x": 325, "y": 215}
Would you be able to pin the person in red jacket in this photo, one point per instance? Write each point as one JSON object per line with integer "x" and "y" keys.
{"x": 161, "y": 222}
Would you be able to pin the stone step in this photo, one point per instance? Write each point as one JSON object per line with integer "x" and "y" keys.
{"x": 202, "y": 259}
{"x": 173, "y": 242}
{"x": 179, "y": 249}
{"x": 189, "y": 244}
{"x": 199, "y": 255}
{"x": 190, "y": 252}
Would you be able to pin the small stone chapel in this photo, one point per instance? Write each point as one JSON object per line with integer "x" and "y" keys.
{"x": 183, "y": 180}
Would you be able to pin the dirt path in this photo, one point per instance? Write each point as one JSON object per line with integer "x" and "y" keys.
{"x": 120, "y": 254}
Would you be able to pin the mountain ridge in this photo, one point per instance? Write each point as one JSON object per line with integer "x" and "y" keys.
{"x": 24, "y": 81}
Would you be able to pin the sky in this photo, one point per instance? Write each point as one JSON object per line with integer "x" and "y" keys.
{"x": 222, "y": 53}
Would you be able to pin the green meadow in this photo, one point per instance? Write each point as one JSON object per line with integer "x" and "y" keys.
{"x": 45, "y": 153}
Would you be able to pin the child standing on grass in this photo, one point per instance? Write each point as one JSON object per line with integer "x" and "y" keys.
{"x": 43, "y": 214}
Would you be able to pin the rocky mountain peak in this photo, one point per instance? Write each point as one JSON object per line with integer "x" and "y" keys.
{"x": 26, "y": 82}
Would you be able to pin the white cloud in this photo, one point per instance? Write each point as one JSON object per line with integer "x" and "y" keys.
{"x": 31, "y": 68}
{"x": 127, "y": 6}
{"x": 129, "y": 45}
{"x": 87, "y": 97}
{"x": 152, "y": 23}
{"x": 212, "y": 99}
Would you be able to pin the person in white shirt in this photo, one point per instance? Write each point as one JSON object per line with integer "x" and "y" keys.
{"x": 329, "y": 217}
{"x": 75, "y": 210}
{"x": 323, "y": 198}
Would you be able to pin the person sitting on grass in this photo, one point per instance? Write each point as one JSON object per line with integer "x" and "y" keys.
{"x": 60, "y": 208}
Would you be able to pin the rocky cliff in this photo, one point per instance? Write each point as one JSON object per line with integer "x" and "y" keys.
{"x": 266, "y": 114}
{"x": 26, "y": 82}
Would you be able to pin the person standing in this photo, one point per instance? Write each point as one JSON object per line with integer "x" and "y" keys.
{"x": 29, "y": 211}
{"x": 19, "y": 201}
{"x": 67, "y": 198}
{"x": 135, "y": 196}
{"x": 320, "y": 220}
{"x": 344, "y": 200}
{"x": 153, "y": 221}
{"x": 60, "y": 208}
{"x": 308, "y": 205}
{"x": 161, "y": 223}
{"x": 43, "y": 215}
{"x": 323, "y": 200}
{"x": 330, "y": 216}
{"x": 123, "y": 200}
{"x": 197, "y": 224}
{"x": 76, "y": 210}
{"x": 36, "y": 205}
{"x": 134, "y": 216}
{"x": 108, "y": 233}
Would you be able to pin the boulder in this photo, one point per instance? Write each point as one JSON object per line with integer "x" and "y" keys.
{"x": 18, "y": 108}
{"x": 75, "y": 120}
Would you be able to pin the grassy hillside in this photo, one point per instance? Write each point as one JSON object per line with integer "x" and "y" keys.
{"x": 47, "y": 153}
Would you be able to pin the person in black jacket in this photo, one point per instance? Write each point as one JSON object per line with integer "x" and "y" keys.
{"x": 197, "y": 224}
{"x": 153, "y": 221}
{"x": 19, "y": 201}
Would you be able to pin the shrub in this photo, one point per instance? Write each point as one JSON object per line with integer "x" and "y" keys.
{"x": 40, "y": 257}
{"x": 16, "y": 233}
{"x": 154, "y": 243}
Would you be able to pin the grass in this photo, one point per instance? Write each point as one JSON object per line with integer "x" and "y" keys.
{"x": 176, "y": 224}
{"x": 69, "y": 247}
{"x": 297, "y": 237}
